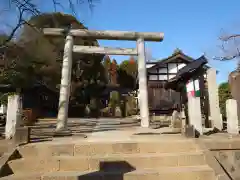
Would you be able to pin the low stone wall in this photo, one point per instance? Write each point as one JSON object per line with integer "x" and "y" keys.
{"x": 213, "y": 162}
{"x": 224, "y": 144}
{"x": 223, "y": 155}
{"x": 11, "y": 154}
{"x": 164, "y": 119}
{"x": 230, "y": 161}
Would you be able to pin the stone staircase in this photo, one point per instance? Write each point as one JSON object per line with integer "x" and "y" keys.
{"x": 111, "y": 160}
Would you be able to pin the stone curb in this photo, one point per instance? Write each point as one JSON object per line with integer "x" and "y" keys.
{"x": 216, "y": 145}
{"x": 11, "y": 154}
{"x": 213, "y": 162}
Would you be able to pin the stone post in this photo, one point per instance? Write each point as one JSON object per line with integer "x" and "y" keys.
{"x": 65, "y": 85}
{"x": 14, "y": 115}
{"x": 234, "y": 84}
{"x": 194, "y": 107}
{"x": 214, "y": 99}
{"x": 3, "y": 109}
{"x": 142, "y": 77}
{"x": 194, "y": 111}
{"x": 183, "y": 118}
{"x": 232, "y": 116}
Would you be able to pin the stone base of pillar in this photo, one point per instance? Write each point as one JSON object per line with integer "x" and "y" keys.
{"x": 67, "y": 133}
{"x": 209, "y": 131}
{"x": 81, "y": 135}
{"x": 62, "y": 133}
{"x": 22, "y": 135}
{"x": 191, "y": 132}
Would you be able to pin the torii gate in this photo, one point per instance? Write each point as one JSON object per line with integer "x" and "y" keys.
{"x": 69, "y": 48}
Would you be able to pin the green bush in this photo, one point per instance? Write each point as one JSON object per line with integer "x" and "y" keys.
{"x": 106, "y": 112}
{"x": 131, "y": 106}
{"x": 114, "y": 99}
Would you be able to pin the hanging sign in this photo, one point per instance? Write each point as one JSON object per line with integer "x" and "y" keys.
{"x": 193, "y": 89}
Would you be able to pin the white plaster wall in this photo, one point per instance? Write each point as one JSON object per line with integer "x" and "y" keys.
{"x": 163, "y": 77}
{"x": 162, "y": 70}
{"x": 180, "y": 66}
{"x": 152, "y": 70}
{"x": 171, "y": 76}
{"x": 172, "y": 67}
{"x": 153, "y": 77}
{"x": 150, "y": 65}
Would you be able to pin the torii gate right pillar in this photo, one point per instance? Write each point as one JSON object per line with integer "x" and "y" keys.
{"x": 142, "y": 78}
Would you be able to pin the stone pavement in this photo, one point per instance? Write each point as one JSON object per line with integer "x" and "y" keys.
{"x": 44, "y": 129}
{"x": 125, "y": 153}
{"x": 118, "y": 139}
{"x": 113, "y": 129}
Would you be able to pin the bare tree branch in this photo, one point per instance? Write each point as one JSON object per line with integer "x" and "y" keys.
{"x": 229, "y": 37}
{"x": 229, "y": 47}
{"x": 26, "y": 8}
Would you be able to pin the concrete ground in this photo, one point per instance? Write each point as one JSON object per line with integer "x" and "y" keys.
{"x": 97, "y": 129}
{"x": 109, "y": 129}
{"x": 129, "y": 130}
{"x": 113, "y": 129}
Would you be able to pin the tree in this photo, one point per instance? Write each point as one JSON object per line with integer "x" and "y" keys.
{"x": 229, "y": 46}
{"x": 113, "y": 72}
{"x": 127, "y": 73}
{"x": 107, "y": 66}
{"x": 23, "y": 9}
{"x": 48, "y": 51}
{"x": 87, "y": 71}
{"x": 21, "y": 68}
{"x": 87, "y": 74}
{"x": 224, "y": 94}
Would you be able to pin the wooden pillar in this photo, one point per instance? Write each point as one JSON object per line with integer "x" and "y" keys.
{"x": 142, "y": 76}
{"x": 214, "y": 99}
{"x": 65, "y": 85}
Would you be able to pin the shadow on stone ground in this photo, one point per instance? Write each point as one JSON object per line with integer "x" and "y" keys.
{"x": 109, "y": 170}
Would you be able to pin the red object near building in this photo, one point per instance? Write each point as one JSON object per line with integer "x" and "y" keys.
{"x": 132, "y": 60}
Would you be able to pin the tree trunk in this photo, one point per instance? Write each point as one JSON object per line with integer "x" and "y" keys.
{"x": 65, "y": 85}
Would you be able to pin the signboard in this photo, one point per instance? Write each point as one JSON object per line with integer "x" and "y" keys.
{"x": 193, "y": 88}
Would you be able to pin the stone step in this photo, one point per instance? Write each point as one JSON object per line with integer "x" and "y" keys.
{"x": 86, "y": 163}
{"x": 173, "y": 173}
{"x": 23, "y": 176}
{"x": 104, "y": 148}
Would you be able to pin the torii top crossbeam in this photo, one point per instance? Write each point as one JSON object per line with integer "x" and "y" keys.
{"x": 109, "y": 35}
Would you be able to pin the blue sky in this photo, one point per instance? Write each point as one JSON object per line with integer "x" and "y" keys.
{"x": 192, "y": 26}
